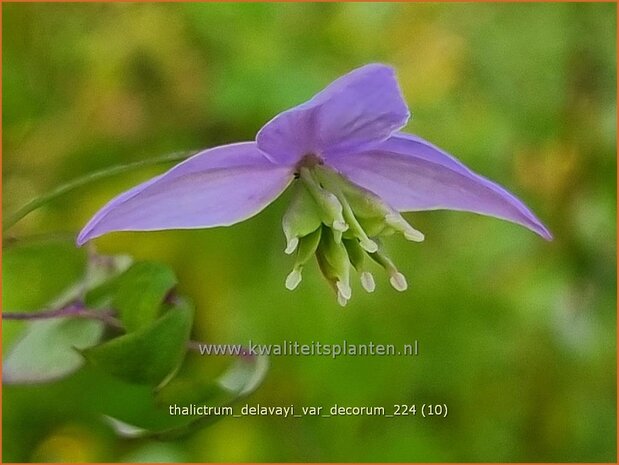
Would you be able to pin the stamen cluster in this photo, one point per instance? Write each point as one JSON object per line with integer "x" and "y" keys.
{"x": 341, "y": 223}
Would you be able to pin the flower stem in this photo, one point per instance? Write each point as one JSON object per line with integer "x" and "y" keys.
{"x": 77, "y": 310}
{"x": 71, "y": 310}
{"x": 37, "y": 202}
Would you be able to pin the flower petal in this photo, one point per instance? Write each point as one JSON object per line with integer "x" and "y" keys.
{"x": 411, "y": 174}
{"x": 362, "y": 107}
{"x": 216, "y": 187}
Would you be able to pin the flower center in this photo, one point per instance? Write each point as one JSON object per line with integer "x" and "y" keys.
{"x": 309, "y": 160}
{"x": 342, "y": 224}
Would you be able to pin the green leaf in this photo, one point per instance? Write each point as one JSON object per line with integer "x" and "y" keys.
{"x": 141, "y": 290}
{"x": 102, "y": 296}
{"x": 244, "y": 376}
{"x": 150, "y": 354}
{"x": 102, "y": 284}
{"x": 43, "y": 351}
{"x": 46, "y": 350}
{"x": 28, "y": 284}
{"x": 239, "y": 380}
{"x": 101, "y": 270}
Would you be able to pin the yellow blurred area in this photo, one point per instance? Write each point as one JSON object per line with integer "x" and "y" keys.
{"x": 70, "y": 444}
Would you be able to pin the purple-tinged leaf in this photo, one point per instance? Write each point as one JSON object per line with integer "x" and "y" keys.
{"x": 46, "y": 351}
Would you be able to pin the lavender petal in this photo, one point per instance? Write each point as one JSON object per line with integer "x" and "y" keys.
{"x": 410, "y": 174}
{"x": 360, "y": 108}
{"x": 216, "y": 187}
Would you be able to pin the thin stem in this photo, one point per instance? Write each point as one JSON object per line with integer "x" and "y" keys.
{"x": 29, "y": 207}
{"x": 71, "y": 310}
{"x": 77, "y": 310}
{"x": 10, "y": 241}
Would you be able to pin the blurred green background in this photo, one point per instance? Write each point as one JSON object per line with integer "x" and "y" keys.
{"x": 517, "y": 335}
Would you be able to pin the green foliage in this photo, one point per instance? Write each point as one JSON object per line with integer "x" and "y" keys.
{"x": 142, "y": 353}
{"x": 150, "y": 354}
{"x": 47, "y": 350}
{"x": 238, "y": 381}
{"x": 141, "y": 292}
{"x": 44, "y": 351}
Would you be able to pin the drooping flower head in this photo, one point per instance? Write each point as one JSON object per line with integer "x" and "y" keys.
{"x": 352, "y": 171}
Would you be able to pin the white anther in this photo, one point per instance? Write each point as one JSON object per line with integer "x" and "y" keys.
{"x": 344, "y": 289}
{"x": 398, "y": 281}
{"x": 340, "y": 225}
{"x": 367, "y": 281}
{"x": 412, "y": 234}
{"x": 341, "y": 299}
{"x": 293, "y": 279}
{"x": 368, "y": 245}
{"x": 398, "y": 223}
{"x": 393, "y": 219}
{"x": 292, "y": 245}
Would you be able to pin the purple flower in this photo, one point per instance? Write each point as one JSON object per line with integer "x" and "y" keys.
{"x": 353, "y": 173}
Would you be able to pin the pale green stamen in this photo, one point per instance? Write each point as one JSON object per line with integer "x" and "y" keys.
{"x": 341, "y": 223}
{"x": 307, "y": 248}
{"x": 344, "y": 289}
{"x": 398, "y": 223}
{"x": 291, "y": 245}
{"x": 335, "y": 265}
{"x": 294, "y": 278}
{"x": 341, "y": 299}
{"x": 367, "y": 281}
{"x": 367, "y": 205}
{"x": 397, "y": 279}
{"x": 329, "y": 204}
{"x": 332, "y": 180}
{"x": 357, "y": 258}
{"x": 301, "y": 218}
